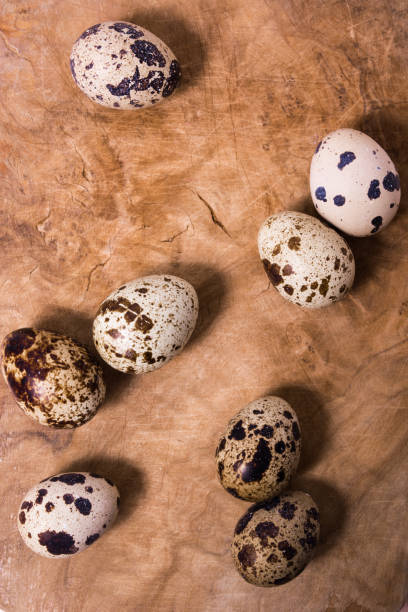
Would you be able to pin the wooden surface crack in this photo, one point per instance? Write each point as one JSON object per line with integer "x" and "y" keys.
{"x": 172, "y": 238}
{"x": 214, "y": 217}
{"x": 93, "y": 270}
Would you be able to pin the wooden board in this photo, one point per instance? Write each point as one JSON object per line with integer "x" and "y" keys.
{"x": 92, "y": 197}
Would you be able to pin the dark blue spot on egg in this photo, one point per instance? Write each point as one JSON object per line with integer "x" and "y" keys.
{"x": 377, "y": 222}
{"x": 122, "y": 89}
{"x": 127, "y": 29}
{"x": 391, "y": 182}
{"x": 318, "y": 147}
{"x": 339, "y": 200}
{"x": 373, "y": 191}
{"x": 320, "y": 194}
{"x": 346, "y": 158}
{"x": 173, "y": 79}
{"x": 92, "y": 30}
{"x": 148, "y": 53}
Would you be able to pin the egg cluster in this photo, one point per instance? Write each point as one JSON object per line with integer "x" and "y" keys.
{"x": 56, "y": 381}
{"x": 146, "y": 322}
{"x": 256, "y": 459}
{"x": 356, "y": 188}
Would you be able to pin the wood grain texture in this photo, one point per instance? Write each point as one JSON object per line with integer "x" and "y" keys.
{"x": 91, "y": 197}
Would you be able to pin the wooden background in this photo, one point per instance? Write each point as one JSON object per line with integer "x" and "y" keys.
{"x": 92, "y": 197}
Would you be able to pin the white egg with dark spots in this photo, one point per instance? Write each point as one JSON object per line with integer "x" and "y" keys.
{"x": 66, "y": 513}
{"x": 259, "y": 452}
{"x": 53, "y": 378}
{"x": 122, "y": 65}
{"x": 275, "y": 540}
{"x": 354, "y": 183}
{"x": 145, "y": 323}
{"x": 307, "y": 262}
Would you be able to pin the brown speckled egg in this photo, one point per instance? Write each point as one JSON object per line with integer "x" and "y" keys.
{"x": 145, "y": 323}
{"x": 53, "y": 378}
{"x": 274, "y": 540}
{"x": 307, "y": 262}
{"x": 124, "y": 66}
{"x": 259, "y": 452}
{"x": 66, "y": 513}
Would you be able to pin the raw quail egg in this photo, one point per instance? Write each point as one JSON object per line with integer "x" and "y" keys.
{"x": 354, "y": 183}
{"x": 145, "y": 323}
{"x": 66, "y": 513}
{"x": 307, "y": 262}
{"x": 259, "y": 452}
{"x": 274, "y": 540}
{"x": 53, "y": 378}
{"x": 122, "y": 65}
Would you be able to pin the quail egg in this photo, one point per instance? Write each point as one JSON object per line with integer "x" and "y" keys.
{"x": 145, "y": 323}
{"x": 274, "y": 540}
{"x": 307, "y": 262}
{"x": 122, "y": 65}
{"x": 53, "y": 378}
{"x": 259, "y": 452}
{"x": 354, "y": 183}
{"x": 66, "y": 513}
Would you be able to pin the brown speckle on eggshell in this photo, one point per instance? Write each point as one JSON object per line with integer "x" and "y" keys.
{"x": 259, "y": 452}
{"x": 275, "y": 540}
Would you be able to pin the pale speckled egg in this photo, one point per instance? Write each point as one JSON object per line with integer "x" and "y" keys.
{"x": 53, "y": 378}
{"x": 275, "y": 540}
{"x": 354, "y": 183}
{"x": 307, "y": 262}
{"x": 259, "y": 452}
{"x": 66, "y": 513}
{"x": 122, "y": 65}
{"x": 145, "y": 323}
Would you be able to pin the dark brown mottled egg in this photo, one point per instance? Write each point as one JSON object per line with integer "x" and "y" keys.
{"x": 53, "y": 378}
{"x": 259, "y": 452}
{"x": 145, "y": 323}
{"x": 274, "y": 540}
{"x": 66, "y": 513}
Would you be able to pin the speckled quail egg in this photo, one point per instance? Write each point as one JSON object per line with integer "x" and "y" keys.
{"x": 53, "y": 378}
{"x": 145, "y": 323}
{"x": 274, "y": 540}
{"x": 354, "y": 183}
{"x": 307, "y": 262}
{"x": 66, "y": 513}
{"x": 259, "y": 452}
{"x": 122, "y": 65}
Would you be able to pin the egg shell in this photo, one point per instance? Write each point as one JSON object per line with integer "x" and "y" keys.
{"x": 122, "y": 65}
{"x": 259, "y": 452}
{"x": 145, "y": 323}
{"x": 307, "y": 262}
{"x": 354, "y": 183}
{"x": 66, "y": 513}
{"x": 53, "y": 378}
{"x": 274, "y": 540}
